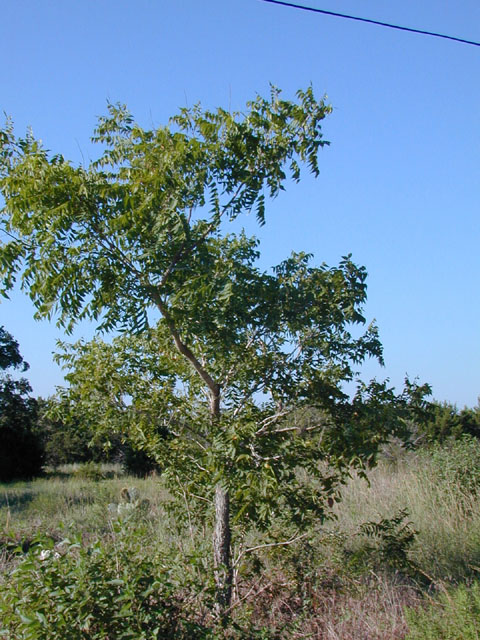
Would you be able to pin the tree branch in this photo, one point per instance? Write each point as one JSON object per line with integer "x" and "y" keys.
{"x": 183, "y": 348}
{"x": 268, "y": 545}
{"x": 181, "y": 253}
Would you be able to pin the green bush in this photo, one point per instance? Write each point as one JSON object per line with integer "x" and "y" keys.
{"x": 89, "y": 471}
{"x": 456, "y": 616}
{"x": 105, "y": 590}
{"x": 21, "y": 447}
{"x": 67, "y": 438}
{"x": 137, "y": 462}
{"x": 455, "y": 463}
{"x": 393, "y": 539}
{"x": 445, "y": 421}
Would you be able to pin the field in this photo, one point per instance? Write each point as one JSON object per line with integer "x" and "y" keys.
{"x": 398, "y": 546}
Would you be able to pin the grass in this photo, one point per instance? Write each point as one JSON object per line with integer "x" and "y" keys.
{"x": 447, "y": 519}
{"x": 65, "y": 497}
{"x": 336, "y": 583}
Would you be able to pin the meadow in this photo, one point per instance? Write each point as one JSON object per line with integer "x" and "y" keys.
{"x": 400, "y": 559}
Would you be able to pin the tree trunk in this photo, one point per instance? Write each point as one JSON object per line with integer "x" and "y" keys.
{"x": 221, "y": 550}
{"x": 221, "y": 533}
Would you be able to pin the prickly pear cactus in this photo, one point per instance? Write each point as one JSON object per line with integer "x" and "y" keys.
{"x": 130, "y": 505}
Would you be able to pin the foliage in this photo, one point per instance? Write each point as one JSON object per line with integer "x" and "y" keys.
{"x": 136, "y": 242}
{"x": 332, "y": 578}
{"x": 130, "y": 505}
{"x": 106, "y": 589}
{"x": 446, "y": 421}
{"x": 120, "y": 232}
{"x": 10, "y": 353}
{"x": 455, "y": 463}
{"x": 89, "y": 471}
{"x": 137, "y": 462}
{"x": 21, "y": 450}
{"x": 70, "y": 438}
{"x": 455, "y": 616}
{"x": 394, "y": 539}
{"x": 66, "y": 441}
{"x": 256, "y": 447}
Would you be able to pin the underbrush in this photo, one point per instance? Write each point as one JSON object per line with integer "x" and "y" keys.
{"x": 454, "y": 615}
{"x": 443, "y": 508}
{"x": 400, "y": 559}
{"x": 109, "y": 588}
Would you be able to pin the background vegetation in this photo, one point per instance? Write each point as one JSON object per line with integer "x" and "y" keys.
{"x": 399, "y": 560}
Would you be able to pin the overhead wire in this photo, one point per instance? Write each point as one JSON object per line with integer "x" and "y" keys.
{"x": 368, "y": 20}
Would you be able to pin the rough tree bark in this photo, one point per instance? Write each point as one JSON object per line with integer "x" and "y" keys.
{"x": 221, "y": 550}
{"x": 221, "y": 532}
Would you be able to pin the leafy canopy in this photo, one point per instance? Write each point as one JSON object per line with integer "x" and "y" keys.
{"x": 108, "y": 240}
{"x": 213, "y": 384}
{"x": 10, "y": 352}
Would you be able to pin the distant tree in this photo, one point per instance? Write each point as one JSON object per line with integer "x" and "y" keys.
{"x": 470, "y": 421}
{"x": 71, "y": 436}
{"x": 235, "y": 350}
{"x": 66, "y": 441}
{"x": 10, "y": 357}
{"x": 21, "y": 450}
{"x": 445, "y": 421}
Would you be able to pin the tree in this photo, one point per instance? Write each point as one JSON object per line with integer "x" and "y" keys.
{"x": 66, "y": 439}
{"x": 447, "y": 421}
{"x": 21, "y": 450}
{"x": 232, "y": 351}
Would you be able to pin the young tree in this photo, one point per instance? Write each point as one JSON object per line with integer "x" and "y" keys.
{"x": 235, "y": 350}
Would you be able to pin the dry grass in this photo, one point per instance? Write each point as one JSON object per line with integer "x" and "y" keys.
{"x": 447, "y": 520}
{"x": 368, "y": 609}
{"x": 318, "y": 588}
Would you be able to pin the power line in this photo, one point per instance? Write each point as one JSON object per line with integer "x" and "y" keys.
{"x": 377, "y": 22}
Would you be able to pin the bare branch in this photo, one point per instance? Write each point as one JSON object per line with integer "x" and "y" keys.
{"x": 302, "y": 429}
{"x": 296, "y": 538}
{"x": 266, "y": 422}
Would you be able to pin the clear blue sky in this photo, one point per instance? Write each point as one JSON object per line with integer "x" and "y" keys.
{"x": 399, "y": 185}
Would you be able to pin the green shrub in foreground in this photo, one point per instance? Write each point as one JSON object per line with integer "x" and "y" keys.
{"x": 102, "y": 591}
{"x": 456, "y": 616}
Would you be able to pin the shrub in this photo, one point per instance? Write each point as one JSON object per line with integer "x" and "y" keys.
{"x": 109, "y": 589}
{"x": 89, "y": 471}
{"x": 137, "y": 462}
{"x": 455, "y": 463}
{"x": 446, "y": 421}
{"x": 455, "y": 616}
{"x": 21, "y": 448}
{"x": 68, "y": 440}
{"x": 393, "y": 538}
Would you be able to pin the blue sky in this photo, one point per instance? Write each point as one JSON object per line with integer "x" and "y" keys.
{"x": 399, "y": 185}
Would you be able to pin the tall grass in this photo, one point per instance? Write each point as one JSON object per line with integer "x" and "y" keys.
{"x": 335, "y": 583}
{"x": 68, "y": 500}
{"x": 446, "y": 517}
